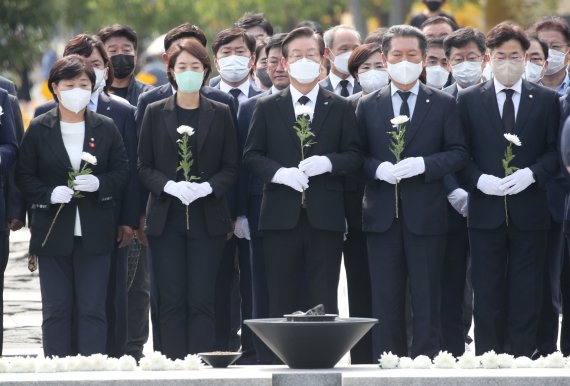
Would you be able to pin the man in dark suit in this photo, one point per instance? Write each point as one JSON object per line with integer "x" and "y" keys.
{"x": 234, "y": 56}
{"x": 404, "y": 206}
{"x": 141, "y": 289}
{"x": 11, "y": 205}
{"x": 508, "y": 214}
{"x": 340, "y": 41}
{"x": 250, "y": 193}
{"x": 302, "y": 212}
{"x": 465, "y": 52}
{"x": 8, "y": 85}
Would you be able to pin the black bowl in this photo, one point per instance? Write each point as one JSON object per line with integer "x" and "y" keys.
{"x": 310, "y": 345}
{"x": 219, "y": 360}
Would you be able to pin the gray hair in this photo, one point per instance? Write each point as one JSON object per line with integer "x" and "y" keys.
{"x": 331, "y": 32}
{"x": 403, "y": 30}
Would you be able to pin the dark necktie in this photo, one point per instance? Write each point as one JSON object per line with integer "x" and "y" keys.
{"x": 509, "y": 111}
{"x": 344, "y": 88}
{"x": 404, "y": 109}
{"x": 303, "y": 100}
{"x": 235, "y": 93}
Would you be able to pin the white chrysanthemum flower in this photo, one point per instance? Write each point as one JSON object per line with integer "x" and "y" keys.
{"x": 89, "y": 158}
{"x": 513, "y": 138}
{"x": 422, "y": 362}
{"x": 523, "y": 363}
{"x": 555, "y": 360}
{"x": 98, "y": 362}
{"x": 60, "y": 364}
{"x": 73, "y": 362}
{"x": 82, "y": 363}
{"x": 444, "y": 360}
{"x": 45, "y": 365}
{"x": 177, "y": 365}
{"x": 155, "y": 362}
{"x": 406, "y": 363}
{"x": 113, "y": 364}
{"x": 506, "y": 361}
{"x": 388, "y": 360}
{"x": 127, "y": 363}
{"x": 399, "y": 120}
{"x": 303, "y": 110}
{"x": 490, "y": 360}
{"x": 539, "y": 363}
{"x": 185, "y": 129}
{"x": 468, "y": 361}
{"x": 21, "y": 365}
{"x": 193, "y": 362}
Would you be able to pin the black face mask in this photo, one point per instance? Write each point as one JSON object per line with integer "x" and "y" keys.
{"x": 433, "y": 5}
{"x": 123, "y": 65}
{"x": 264, "y": 79}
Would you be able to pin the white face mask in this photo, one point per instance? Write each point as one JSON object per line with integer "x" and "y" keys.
{"x": 508, "y": 72}
{"x": 467, "y": 73}
{"x": 75, "y": 99}
{"x": 234, "y": 68}
{"x": 373, "y": 80}
{"x": 99, "y": 78}
{"x": 405, "y": 72}
{"x": 341, "y": 62}
{"x": 533, "y": 72}
{"x": 436, "y": 76}
{"x": 556, "y": 61}
{"x": 304, "y": 70}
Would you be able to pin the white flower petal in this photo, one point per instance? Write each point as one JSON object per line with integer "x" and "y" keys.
{"x": 185, "y": 129}
{"x": 193, "y": 362}
{"x": 469, "y": 361}
{"x": 388, "y": 360}
{"x": 89, "y": 158}
{"x": 512, "y": 138}
{"x": 523, "y": 363}
{"x": 399, "y": 120}
{"x": 444, "y": 360}
{"x": 490, "y": 360}
{"x": 506, "y": 361}
{"x": 555, "y": 360}
{"x": 127, "y": 363}
{"x": 406, "y": 363}
{"x": 422, "y": 362}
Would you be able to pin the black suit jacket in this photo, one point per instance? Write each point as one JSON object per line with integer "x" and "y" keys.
{"x": 123, "y": 115}
{"x": 326, "y": 84}
{"x": 8, "y": 85}
{"x": 216, "y": 155}
{"x": 44, "y": 164}
{"x": 435, "y": 134}
{"x": 14, "y": 201}
{"x": 272, "y": 143}
{"x": 536, "y": 125}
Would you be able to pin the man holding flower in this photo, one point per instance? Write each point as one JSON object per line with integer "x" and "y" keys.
{"x": 412, "y": 138}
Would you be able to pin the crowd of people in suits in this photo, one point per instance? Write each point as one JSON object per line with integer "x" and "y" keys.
{"x": 201, "y": 203}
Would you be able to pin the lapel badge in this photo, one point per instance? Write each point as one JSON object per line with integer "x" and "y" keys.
{"x": 91, "y": 143}
{"x": 530, "y": 96}
{"x": 326, "y": 103}
{"x": 427, "y": 100}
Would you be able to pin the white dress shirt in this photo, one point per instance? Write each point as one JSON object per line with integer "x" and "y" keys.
{"x": 73, "y": 135}
{"x": 397, "y": 100}
{"x": 312, "y": 95}
{"x": 335, "y": 83}
{"x": 501, "y": 96}
{"x": 244, "y": 88}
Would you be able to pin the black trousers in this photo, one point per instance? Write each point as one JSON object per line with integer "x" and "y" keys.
{"x": 547, "y": 335}
{"x": 507, "y": 267}
{"x": 359, "y": 291}
{"x": 138, "y": 306}
{"x": 453, "y": 290}
{"x": 117, "y": 304}
{"x": 396, "y": 256}
{"x": 4, "y": 253}
{"x": 565, "y": 292}
{"x": 303, "y": 267}
{"x": 75, "y": 282}
{"x": 185, "y": 265}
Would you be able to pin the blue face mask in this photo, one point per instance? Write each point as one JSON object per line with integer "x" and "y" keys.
{"x": 189, "y": 81}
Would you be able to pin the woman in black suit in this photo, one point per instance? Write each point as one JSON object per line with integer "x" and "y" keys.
{"x": 74, "y": 255}
{"x": 187, "y": 222}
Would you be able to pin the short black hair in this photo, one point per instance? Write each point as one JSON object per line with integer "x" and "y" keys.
{"x": 505, "y": 31}
{"x": 439, "y": 20}
{"x": 83, "y": 45}
{"x": 251, "y": 19}
{"x": 184, "y": 31}
{"x": 69, "y": 67}
{"x": 361, "y": 55}
{"x": 274, "y": 41}
{"x": 305, "y": 32}
{"x": 118, "y": 30}
{"x": 229, "y": 35}
{"x": 376, "y": 36}
{"x": 403, "y": 30}
{"x": 533, "y": 36}
{"x": 462, "y": 37}
{"x": 314, "y": 25}
{"x": 553, "y": 23}
{"x": 434, "y": 43}
{"x": 260, "y": 45}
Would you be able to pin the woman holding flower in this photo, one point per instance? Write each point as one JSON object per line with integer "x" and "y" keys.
{"x": 188, "y": 159}
{"x": 72, "y": 187}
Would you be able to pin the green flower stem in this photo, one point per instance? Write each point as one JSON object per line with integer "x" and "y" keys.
{"x": 509, "y": 156}
{"x": 397, "y": 147}
{"x": 303, "y": 130}
{"x": 185, "y": 165}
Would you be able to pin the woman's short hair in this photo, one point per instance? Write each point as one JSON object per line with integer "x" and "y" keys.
{"x": 69, "y": 67}
{"x": 361, "y": 55}
{"x": 195, "y": 49}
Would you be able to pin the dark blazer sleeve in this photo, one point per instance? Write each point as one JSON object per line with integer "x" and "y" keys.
{"x": 111, "y": 183}
{"x": 8, "y": 143}
{"x": 15, "y": 205}
{"x": 471, "y": 173}
{"x": 350, "y": 159}
{"x": 129, "y": 214}
{"x": 546, "y": 165}
{"x": 370, "y": 165}
{"x": 153, "y": 179}
{"x": 243, "y": 118}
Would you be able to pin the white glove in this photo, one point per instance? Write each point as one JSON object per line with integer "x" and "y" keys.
{"x": 410, "y": 167}
{"x": 291, "y": 177}
{"x": 201, "y": 189}
{"x": 242, "y": 228}
{"x": 181, "y": 191}
{"x": 315, "y": 165}
{"x": 385, "y": 172}
{"x": 86, "y": 183}
{"x": 490, "y": 185}
{"x": 61, "y": 195}
{"x": 458, "y": 200}
{"x": 518, "y": 181}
